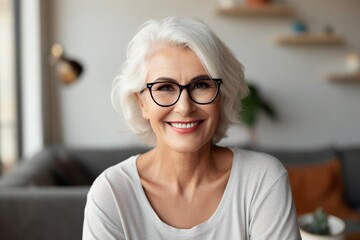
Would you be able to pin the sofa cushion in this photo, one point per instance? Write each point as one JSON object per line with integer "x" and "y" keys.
{"x": 70, "y": 172}
{"x": 351, "y": 168}
{"x": 320, "y": 185}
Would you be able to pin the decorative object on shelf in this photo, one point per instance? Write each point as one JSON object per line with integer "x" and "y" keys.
{"x": 352, "y": 63}
{"x": 228, "y": 3}
{"x": 321, "y": 226}
{"x": 328, "y": 29}
{"x": 352, "y": 74}
{"x": 67, "y": 70}
{"x": 252, "y": 106}
{"x": 302, "y": 36}
{"x": 259, "y": 10}
{"x": 299, "y": 27}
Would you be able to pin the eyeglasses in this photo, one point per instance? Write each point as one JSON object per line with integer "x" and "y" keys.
{"x": 167, "y": 93}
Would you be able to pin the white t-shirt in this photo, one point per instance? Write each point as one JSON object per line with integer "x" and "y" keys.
{"x": 256, "y": 204}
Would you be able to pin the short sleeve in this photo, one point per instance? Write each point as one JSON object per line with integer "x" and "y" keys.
{"x": 101, "y": 220}
{"x": 273, "y": 215}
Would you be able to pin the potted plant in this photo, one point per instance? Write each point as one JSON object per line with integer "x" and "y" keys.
{"x": 321, "y": 226}
{"x": 252, "y": 106}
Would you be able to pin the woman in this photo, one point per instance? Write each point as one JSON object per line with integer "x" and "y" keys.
{"x": 179, "y": 90}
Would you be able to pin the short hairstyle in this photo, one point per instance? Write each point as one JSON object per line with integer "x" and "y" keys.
{"x": 190, "y": 33}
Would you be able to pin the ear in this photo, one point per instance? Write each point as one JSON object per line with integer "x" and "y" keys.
{"x": 142, "y": 104}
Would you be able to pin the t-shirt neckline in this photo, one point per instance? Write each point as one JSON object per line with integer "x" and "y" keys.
{"x": 200, "y": 228}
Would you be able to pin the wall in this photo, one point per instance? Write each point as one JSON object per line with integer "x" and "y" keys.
{"x": 312, "y": 112}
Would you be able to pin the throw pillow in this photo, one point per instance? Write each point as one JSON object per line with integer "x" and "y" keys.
{"x": 320, "y": 185}
{"x": 70, "y": 172}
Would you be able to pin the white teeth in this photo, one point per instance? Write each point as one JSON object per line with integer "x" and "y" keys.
{"x": 184, "y": 125}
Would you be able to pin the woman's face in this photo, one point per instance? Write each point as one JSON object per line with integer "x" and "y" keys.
{"x": 185, "y": 126}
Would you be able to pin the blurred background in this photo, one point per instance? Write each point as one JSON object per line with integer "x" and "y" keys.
{"x": 38, "y": 109}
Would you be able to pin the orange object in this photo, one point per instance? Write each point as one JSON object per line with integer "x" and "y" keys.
{"x": 258, "y": 2}
{"x": 320, "y": 185}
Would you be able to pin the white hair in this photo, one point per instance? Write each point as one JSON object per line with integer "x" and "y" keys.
{"x": 190, "y": 33}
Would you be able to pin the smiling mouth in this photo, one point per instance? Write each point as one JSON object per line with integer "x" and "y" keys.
{"x": 183, "y": 125}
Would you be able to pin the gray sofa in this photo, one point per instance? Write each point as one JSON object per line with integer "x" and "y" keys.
{"x": 44, "y": 198}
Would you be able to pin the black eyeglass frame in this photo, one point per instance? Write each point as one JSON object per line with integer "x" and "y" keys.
{"x": 182, "y": 87}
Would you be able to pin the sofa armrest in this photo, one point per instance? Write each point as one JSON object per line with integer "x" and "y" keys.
{"x": 34, "y": 171}
{"x": 42, "y": 213}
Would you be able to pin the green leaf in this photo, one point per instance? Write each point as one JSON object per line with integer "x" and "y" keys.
{"x": 252, "y": 105}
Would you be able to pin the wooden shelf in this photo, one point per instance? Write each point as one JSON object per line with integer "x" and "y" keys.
{"x": 309, "y": 39}
{"x": 344, "y": 78}
{"x": 266, "y": 10}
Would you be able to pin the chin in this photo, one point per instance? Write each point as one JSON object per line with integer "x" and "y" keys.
{"x": 186, "y": 146}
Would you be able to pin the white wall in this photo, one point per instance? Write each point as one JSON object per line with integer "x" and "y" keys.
{"x": 313, "y": 112}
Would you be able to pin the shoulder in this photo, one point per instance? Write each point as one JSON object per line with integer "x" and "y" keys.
{"x": 259, "y": 177}
{"x": 113, "y": 189}
{"x": 256, "y": 170}
{"x": 103, "y": 208}
{"x": 257, "y": 161}
{"x": 114, "y": 178}
{"x": 262, "y": 181}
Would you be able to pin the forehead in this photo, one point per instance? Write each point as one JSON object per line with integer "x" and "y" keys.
{"x": 179, "y": 63}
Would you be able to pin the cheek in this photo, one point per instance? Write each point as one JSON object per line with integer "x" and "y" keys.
{"x": 216, "y": 115}
{"x": 217, "y": 120}
{"x": 152, "y": 111}
{"x": 215, "y": 110}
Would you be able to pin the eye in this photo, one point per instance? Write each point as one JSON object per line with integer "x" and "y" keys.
{"x": 164, "y": 87}
{"x": 202, "y": 84}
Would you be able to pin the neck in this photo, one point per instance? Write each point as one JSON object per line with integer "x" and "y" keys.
{"x": 184, "y": 170}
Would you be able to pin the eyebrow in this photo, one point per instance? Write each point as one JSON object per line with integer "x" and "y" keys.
{"x": 167, "y": 79}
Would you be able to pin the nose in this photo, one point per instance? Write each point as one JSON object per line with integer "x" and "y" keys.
{"x": 185, "y": 105}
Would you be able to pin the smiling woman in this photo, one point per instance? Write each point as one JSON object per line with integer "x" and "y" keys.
{"x": 189, "y": 35}
{"x": 179, "y": 91}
